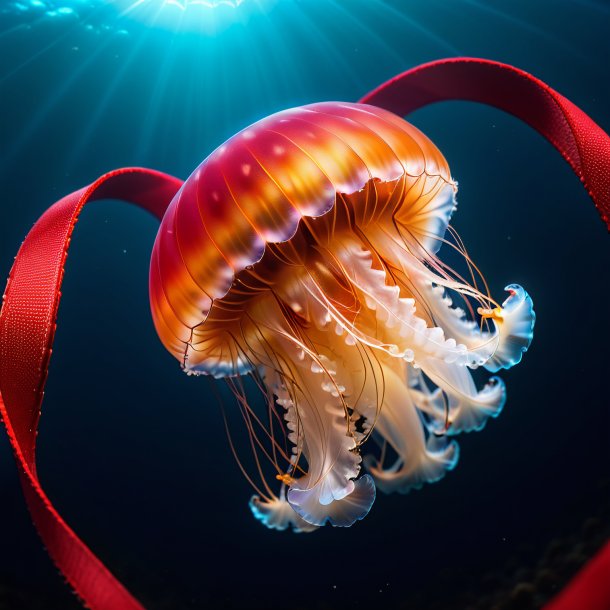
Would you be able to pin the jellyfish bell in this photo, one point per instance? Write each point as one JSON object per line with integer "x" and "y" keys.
{"x": 305, "y": 252}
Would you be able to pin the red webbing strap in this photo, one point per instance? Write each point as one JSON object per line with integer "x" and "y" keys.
{"x": 590, "y": 588}
{"x": 27, "y": 327}
{"x": 582, "y": 143}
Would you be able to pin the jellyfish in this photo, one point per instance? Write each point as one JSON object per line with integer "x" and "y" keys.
{"x": 305, "y": 252}
{"x": 308, "y": 255}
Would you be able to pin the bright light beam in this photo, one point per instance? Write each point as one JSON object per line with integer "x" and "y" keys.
{"x": 185, "y": 4}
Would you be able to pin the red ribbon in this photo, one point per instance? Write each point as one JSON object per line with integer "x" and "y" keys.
{"x": 581, "y": 142}
{"x": 27, "y": 328}
{"x": 31, "y": 300}
{"x": 590, "y": 588}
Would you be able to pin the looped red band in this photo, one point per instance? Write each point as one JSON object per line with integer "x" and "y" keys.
{"x": 27, "y": 327}
{"x": 581, "y": 142}
{"x": 31, "y": 300}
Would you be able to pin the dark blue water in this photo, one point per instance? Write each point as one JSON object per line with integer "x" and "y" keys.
{"x": 134, "y": 453}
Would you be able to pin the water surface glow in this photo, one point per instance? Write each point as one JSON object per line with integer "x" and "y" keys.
{"x": 185, "y": 4}
{"x": 187, "y": 10}
{"x": 66, "y": 7}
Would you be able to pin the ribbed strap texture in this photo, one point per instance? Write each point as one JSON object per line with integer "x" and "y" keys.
{"x": 27, "y": 327}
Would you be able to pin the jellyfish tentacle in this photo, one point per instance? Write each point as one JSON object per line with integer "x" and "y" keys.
{"x": 278, "y": 514}
{"x": 421, "y": 457}
{"x": 317, "y": 421}
{"x": 447, "y": 335}
{"x": 328, "y": 445}
{"x": 414, "y": 338}
{"x": 340, "y": 513}
{"x": 512, "y": 323}
{"x": 429, "y": 217}
{"x": 516, "y": 320}
{"x": 457, "y": 406}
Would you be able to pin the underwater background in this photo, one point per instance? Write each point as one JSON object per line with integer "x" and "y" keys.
{"x": 134, "y": 453}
